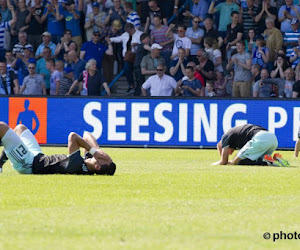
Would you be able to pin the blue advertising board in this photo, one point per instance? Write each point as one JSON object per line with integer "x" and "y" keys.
{"x": 152, "y": 122}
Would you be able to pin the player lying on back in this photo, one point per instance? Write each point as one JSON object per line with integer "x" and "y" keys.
{"x": 255, "y": 145}
{"x": 26, "y": 157}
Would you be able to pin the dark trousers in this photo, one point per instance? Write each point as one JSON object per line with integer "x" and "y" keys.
{"x": 128, "y": 67}
{"x": 139, "y": 79}
{"x": 108, "y": 67}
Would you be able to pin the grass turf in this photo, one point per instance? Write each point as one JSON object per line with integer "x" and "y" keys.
{"x": 158, "y": 199}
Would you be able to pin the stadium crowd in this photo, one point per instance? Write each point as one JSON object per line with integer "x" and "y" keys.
{"x": 238, "y": 48}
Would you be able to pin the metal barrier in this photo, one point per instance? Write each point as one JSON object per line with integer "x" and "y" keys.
{"x": 169, "y": 21}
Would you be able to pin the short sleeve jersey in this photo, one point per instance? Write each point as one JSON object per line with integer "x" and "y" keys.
{"x": 238, "y": 136}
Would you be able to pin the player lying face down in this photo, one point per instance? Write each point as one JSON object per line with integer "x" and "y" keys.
{"x": 26, "y": 157}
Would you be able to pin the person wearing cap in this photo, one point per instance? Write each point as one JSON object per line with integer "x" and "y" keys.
{"x": 286, "y": 13}
{"x": 116, "y": 13}
{"x": 55, "y": 28}
{"x": 150, "y": 61}
{"x": 67, "y": 81}
{"x": 290, "y": 39}
{"x": 72, "y": 21}
{"x": 22, "y": 44}
{"x": 5, "y": 26}
{"x": 94, "y": 21}
{"x": 46, "y": 43}
{"x": 20, "y": 64}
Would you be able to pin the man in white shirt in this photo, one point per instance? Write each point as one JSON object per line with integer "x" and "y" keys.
{"x": 159, "y": 84}
{"x": 130, "y": 40}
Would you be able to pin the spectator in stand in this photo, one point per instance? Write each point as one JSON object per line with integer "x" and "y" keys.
{"x": 178, "y": 66}
{"x": 242, "y": 71}
{"x": 199, "y": 9}
{"x": 209, "y": 31}
{"x": 35, "y": 24}
{"x": 280, "y": 65}
{"x": 46, "y": 36}
{"x": 195, "y": 34}
{"x": 41, "y": 67}
{"x": 20, "y": 64}
{"x": 130, "y": 40}
{"x": 94, "y": 21}
{"x": 8, "y": 81}
{"x": 5, "y": 16}
{"x": 205, "y": 67}
{"x": 55, "y": 77}
{"x": 267, "y": 10}
{"x": 285, "y": 85}
{"x": 158, "y": 35}
{"x": 54, "y": 27}
{"x": 9, "y": 60}
{"x": 198, "y": 76}
{"x": 250, "y": 41}
{"x": 295, "y": 55}
{"x": 149, "y": 62}
{"x": 72, "y": 21}
{"x": 167, "y": 7}
{"x": 154, "y": 11}
{"x": 190, "y": 86}
{"x": 234, "y": 33}
{"x": 180, "y": 40}
{"x": 159, "y": 84}
{"x": 77, "y": 64}
{"x": 132, "y": 16}
{"x": 142, "y": 51}
{"x": 66, "y": 45}
{"x": 220, "y": 84}
{"x": 116, "y": 13}
{"x": 108, "y": 60}
{"x": 225, "y": 10}
{"x": 20, "y": 25}
{"x": 248, "y": 15}
{"x": 90, "y": 81}
{"x": 22, "y": 44}
{"x": 214, "y": 53}
{"x": 261, "y": 54}
{"x": 255, "y": 72}
{"x": 259, "y": 88}
{"x": 286, "y": 13}
{"x": 4, "y": 26}
{"x": 33, "y": 83}
{"x": 273, "y": 38}
{"x": 290, "y": 39}
{"x": 95, "y": 50}
{"x": 296, "y": 92}
{"x": 144, "y": 10}
{"x": 209, "y": 90}
{"x": 66, "y": 82}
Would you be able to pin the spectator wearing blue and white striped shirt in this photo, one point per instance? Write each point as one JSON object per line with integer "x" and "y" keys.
{"x": 5, "y": 26}
{"x": 132, "y": 17}
{"x": 290, "y": 39}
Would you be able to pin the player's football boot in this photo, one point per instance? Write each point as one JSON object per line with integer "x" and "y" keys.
{"x": 278, "y": 157}
{"x": 271, "y": 162}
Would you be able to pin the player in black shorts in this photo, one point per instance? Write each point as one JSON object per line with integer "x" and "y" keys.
{"x": 26, "y": 157}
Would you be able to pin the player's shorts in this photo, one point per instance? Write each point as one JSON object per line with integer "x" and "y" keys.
{"x": 299, "y": 133}
{"x": 21, "y": 150}
{"x": 262, "y": 143}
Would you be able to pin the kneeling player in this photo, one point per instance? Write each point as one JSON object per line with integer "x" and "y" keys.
{"x": 26, "y": 157}
{"x": 255, "y": 145}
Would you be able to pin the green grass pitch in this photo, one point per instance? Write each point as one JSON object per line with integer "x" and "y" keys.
{"x": 158, "y": 199}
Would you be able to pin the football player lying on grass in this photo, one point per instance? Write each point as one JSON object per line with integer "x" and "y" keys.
{"x": 26, "y": 157}
{"x": 255, "y": 145}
